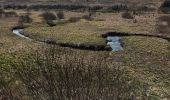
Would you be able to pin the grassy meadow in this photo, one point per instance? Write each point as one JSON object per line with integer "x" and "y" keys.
{"x": 32, "y": 70}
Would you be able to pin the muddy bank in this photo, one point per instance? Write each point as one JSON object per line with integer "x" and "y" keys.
{"x": 92, "y": 47}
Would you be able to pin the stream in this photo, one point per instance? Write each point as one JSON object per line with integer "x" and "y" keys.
{"x": 112, "y": 41}
{"x": 18, "y": 32}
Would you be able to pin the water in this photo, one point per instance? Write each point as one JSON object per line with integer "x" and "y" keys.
{"x": 18, "y": 32}
{"x": 114, "y": 42}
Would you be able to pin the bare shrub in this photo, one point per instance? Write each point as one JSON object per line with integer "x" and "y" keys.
{"x": 48, "y": 16}
{"x": 127, "y": 15}
{"x": 25, "y": 18}
{"x": 163, "y": 24}
{"x": 165, "y": 18}
{"x": 87, "y": 17}
{"x": 60, "y": 15}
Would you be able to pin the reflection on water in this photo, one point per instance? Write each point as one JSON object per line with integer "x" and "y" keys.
{"x": 114, "y": 42}
{"x": 18, "y": 32}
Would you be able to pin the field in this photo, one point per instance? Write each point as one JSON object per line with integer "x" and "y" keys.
{"x": 39, "y": 70}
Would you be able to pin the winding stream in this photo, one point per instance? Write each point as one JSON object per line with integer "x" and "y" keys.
{"x": 18, "y": 32}
{"x": 112, "y": 41}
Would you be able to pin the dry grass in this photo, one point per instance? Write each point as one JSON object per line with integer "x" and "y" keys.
{"x": 9, "y": 41}
{"x": 145, "y": 58}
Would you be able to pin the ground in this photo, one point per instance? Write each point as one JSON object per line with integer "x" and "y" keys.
{"x": 145, "y": 58}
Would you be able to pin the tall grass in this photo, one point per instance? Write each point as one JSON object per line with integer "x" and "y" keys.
{"x": 53, "y": 74}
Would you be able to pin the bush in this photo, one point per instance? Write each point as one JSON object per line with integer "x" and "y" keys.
{"x": 60, "y": 15}
{"x": 25, "y": 19}
{"x": 163, "y": 24}
{"x": 166, "y": 4}
{"x": 165, "y": 7}
{"x": 127, "y": 15}
{"x": 165, "y": 19}
{"x": 87, "y": 17}
{"x": 48, "y": 16}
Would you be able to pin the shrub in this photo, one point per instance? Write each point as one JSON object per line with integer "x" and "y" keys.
{"x": 48, "y": 16}
{"x": 165, "y": 7}
{"x": 87, "y": 17}
{"x": 166, "y": 4}
{"x": 163, "y": 24}
{"x": 60, "y": 15}
{"x": 127, "y": 15}
{"x": 165, "y": 19}
{"x": 25, "y": 19}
